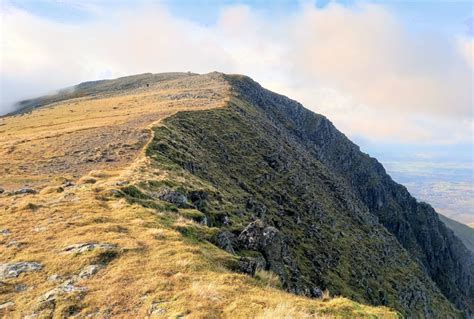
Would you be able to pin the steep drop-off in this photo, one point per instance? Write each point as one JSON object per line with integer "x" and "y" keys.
{"x": 462, "y": 231}
{"x": 295, "y": 196}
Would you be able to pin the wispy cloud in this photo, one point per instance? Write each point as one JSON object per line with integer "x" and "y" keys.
{"x": 357, "y": 65}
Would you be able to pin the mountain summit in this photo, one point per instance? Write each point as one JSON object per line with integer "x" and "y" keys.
{"x": 200, "y": 196}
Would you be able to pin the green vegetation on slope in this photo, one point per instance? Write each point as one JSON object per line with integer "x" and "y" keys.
{"x": 241, "y": 168}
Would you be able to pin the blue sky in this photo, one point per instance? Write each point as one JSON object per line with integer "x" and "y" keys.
{"x": 395, "y": 76}
{"x": 451, "y": 17}
{"x": 428, "y": 36}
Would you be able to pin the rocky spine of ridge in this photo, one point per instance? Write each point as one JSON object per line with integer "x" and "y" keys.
{"x": 416, "y": 225}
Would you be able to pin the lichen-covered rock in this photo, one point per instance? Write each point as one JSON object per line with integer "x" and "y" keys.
{"x": 89, "y": 271}
{"x": 13, "y": 270}
{"x": 226, "y": 240}
{"x": 83, "y": 247}
{"x": 270, "y": 243}
{"x": 173, "y": 197}
{"x": 65, "y": 288}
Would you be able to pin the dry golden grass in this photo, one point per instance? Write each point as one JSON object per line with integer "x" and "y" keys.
{"x": 70, "y": 138}
{"x": 154, "y": 271}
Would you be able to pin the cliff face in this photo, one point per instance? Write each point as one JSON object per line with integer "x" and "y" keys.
{"x": 416, "y": 225}
{"x": 293, "y": 195}
{"x": 462, "y": 231}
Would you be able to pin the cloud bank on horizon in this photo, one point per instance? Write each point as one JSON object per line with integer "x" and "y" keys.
{"x": 358, "y": 65}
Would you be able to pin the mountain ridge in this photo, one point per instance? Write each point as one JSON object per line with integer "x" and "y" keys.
{"x": 218, "y": 167}
{"x": 352, "y": 165}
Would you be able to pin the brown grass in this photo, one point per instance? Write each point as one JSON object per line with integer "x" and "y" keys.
{"x": 154, "y": 271}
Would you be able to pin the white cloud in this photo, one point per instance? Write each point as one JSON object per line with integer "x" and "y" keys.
{"x": 358, "y": 66}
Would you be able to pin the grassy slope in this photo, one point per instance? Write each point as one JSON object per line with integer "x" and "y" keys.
{"x": 228, "y": 149}
{"x": 163, "y": 266}
{"x": 464, "y": 232}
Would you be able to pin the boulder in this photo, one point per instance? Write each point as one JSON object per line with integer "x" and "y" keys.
{"x": 83, "y": 247}
{"x": 66, "y": 287}
{"x": 270, "y": 243}
{"x": 247, "y": 266}
{"x": 225, "y": 240}
{"x": 13, "y": 270}
{"x": 89, "y": 271}
{"x": 173, "y": 197}
{"x": 316, "y": 292}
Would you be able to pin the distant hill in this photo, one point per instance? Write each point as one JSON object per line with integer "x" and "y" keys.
{"x": 464, "y": 232}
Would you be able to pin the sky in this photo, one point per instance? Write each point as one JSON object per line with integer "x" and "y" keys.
{"x": 395, "y": 76}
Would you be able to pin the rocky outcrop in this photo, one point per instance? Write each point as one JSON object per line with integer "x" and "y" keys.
{"x": 269, "y": 242}
{"x": 13, "y": 270}
{"x": 173, "y": 197}
{"x": 84, "y": 247}
{"x": 89, "y": 271}
{"x": 226, "y": 240}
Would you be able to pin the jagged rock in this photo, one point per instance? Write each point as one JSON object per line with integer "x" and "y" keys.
{"x": 13, "y": 270}
{"x": 173, "y": 197}
{"x": 66, "y": 287}
{"x": 5, "y": 232}
{"x": 225, "y": 240}
{"x": 89, "y": 271}
{"x": 316, "y": 292}
{"x": 2, "y": 190}
{"x": 268, "y": 241}
{"x": 258, "y": 236}
{"x": 24, "y": 191}
{"x": 68, "y": 184}
{"x": 83, "y": 247}
{"x": 247, "y": 266}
